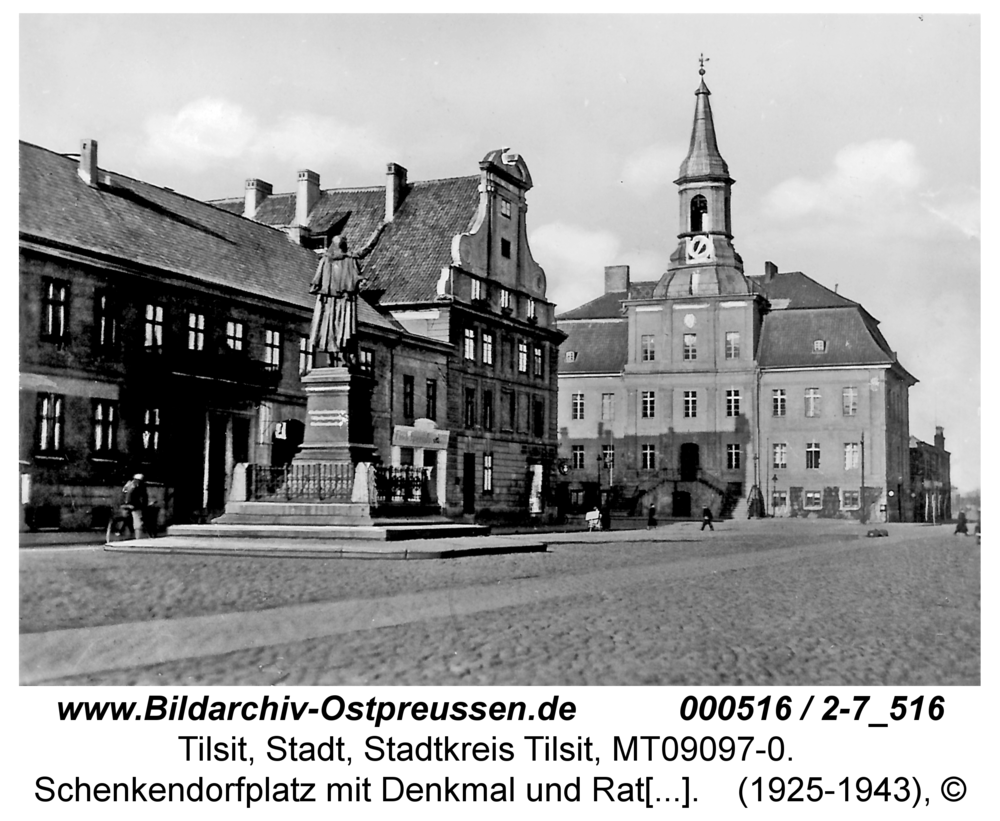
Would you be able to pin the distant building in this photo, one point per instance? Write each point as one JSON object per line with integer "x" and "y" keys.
{"x": 930, "y": 478}
{"x": 449, "y": 261}
{"x": 709, "y": 387}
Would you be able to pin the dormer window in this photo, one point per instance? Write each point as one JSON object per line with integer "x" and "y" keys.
{"x": 819, "y": 346}
{"x": 505, "y": 299}
{"x": 504, "y": 208}
{"x": 571, "y": 356}
{"x": 477, "y": 290}
{"x": 699, "y": 208}
{"x": 505, "y": 248}
{"x": 532, "y": 309}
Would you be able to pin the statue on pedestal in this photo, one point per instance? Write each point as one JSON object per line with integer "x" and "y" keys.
{"x": 335, "y": 317}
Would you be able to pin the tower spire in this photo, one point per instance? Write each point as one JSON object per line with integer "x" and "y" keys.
{"x": 703, "y": 157}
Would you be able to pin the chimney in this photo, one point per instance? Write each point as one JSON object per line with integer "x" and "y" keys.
{"x": 770, "y": 271}
{"x": 395, "y": 184}
{"x": 88, "y": 162}
{"x": 615, "y": 279}
{"x": 257, "y": 191}
{"x": 306, "y": 196}
{"x": 939, "y": 437}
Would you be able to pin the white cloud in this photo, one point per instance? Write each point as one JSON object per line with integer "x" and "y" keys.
{"x": 866, "y": 178}
{"x": 960, "y": 209}
{"x": 209, "y": 130}
{"x": 573, "y": 258}
{"x": 652, "y": 169}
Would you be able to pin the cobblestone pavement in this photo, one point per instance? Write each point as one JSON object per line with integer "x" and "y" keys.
{"x": 754, "y": 603}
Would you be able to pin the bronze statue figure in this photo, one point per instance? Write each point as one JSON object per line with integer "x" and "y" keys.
{"x": 335, "y": 317}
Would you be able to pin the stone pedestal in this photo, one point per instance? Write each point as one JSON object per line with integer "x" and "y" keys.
{"x": 338, "y": 417}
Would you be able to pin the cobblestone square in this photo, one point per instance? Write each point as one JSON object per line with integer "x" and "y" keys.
{"x": 754, "y": 603}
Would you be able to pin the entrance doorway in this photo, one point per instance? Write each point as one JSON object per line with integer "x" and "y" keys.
{"x": 469, "y": 483}
{"x": 690, "y": 462}
{"x": 681, "y": 507}
{"x": 217, "y": 430}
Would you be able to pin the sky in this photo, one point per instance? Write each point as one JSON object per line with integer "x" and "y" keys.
{"x": 854, "y": 140}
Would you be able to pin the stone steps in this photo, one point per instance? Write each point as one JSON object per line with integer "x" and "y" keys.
{"x": 382, "y": 532}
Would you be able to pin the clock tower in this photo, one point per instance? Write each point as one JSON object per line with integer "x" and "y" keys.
{"x": 705, "y": 262}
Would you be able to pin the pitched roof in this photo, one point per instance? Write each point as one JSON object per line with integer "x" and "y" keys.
{"x": 851, "y": 338}
{"x": 800, "y": 291}
{"x": 408, "y": 256}
{"x": 133, "y": 222}
{"x": 600, "y": 347}
{"x": 609, "y": 305}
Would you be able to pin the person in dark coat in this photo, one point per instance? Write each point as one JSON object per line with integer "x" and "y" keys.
{"x": 136, "y": 501}
{"x": 962, "y": 526}
{"x": 706, "y": 518}
{"x": 651, "y": 520}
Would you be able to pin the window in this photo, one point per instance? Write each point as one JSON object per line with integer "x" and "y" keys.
{"x": 812, "y": 456}
{"x": 648, "y": 404}
{"x": 532, "y": 309}
{"x": 732, "y": 403}
{"x": 104, "y": 424}
{"x": 504, "y": 299}
{"x": 690, "y": 346}
{"x": 151, "y": 430}
{"x": 537, "y": 362}
{"x": 234, "y": 338}
{"x": 470, "y": 407}
{"x": 366, "y": 361}
{"x": 408, "y": 396}
{"x": 576, "y": 497}
{"x": 510, "y": 409}
{"x": 305, "y": 355}
{"x": 196, "y": 332}
{"x": 153, "y": 327}
{"x": 649, "y": 457}
{"x": 780, "y": 454}
{"x": 105, "y": 321}
{"x": 477, "y": 289}
{"x": 778, "y": 402}
{"x": 577, "y": 406}
{"x": 504, "y": 208}
{"x": 432, "y": 399}
{"x": 813, "y": 499}
{"x": 647, "y": 346}
{"x": 819, "y": 346}
{"x": 522, "y": 357}
{"x": 577, "y": 457}
{"x": 608, "y": 456}
{"x": 470, "y": 344}
{"x": 732, "y": 345}
{"x": 55, "y": 305}
{"x": 607, "y": 407}
{"x": 733, "y": 457}
{"x": 690, "y": 404}
{"x": 813, "y": 402}
{"x": 851, "y": 499}
{"x": 699, "y": 208}
{"x": 505, "y": 248}
{"x": 538, "y": 417}
{"x": 852, "y": 455}
{"x": 487, "y": 410}
{"x": 50, "y": 423}
{"x": 571, "y": 356}
{"x": 779, "y": 498}
{"x": 487, "y": 473}
{"x": 487, "y": 347}
{"x": 272, "y": 349}
{"x": 850, "y": 401}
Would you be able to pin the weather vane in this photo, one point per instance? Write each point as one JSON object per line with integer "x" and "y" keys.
{"x": 702, "y": 59}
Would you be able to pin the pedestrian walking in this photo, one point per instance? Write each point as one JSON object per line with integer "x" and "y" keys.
{"x": 706, "y": 518}
{"x": 651, "y": 519}
{"x": 962, "y": 526}
{"x": 136, "y": 501}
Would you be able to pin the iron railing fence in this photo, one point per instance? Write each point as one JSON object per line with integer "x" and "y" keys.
{"x": 401, "y": 484}
{"x": 320, "y": 481}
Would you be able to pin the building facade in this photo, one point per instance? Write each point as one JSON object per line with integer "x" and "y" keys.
{"x": 448, "y": 260}
{"x": 713, "y": 388}
{"x": 930, "y": 479}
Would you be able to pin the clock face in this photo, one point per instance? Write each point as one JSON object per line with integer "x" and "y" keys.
{"x": 699, "y": 249}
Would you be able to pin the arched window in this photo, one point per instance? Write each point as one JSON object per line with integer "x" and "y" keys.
{"x": 699, "y": 207}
